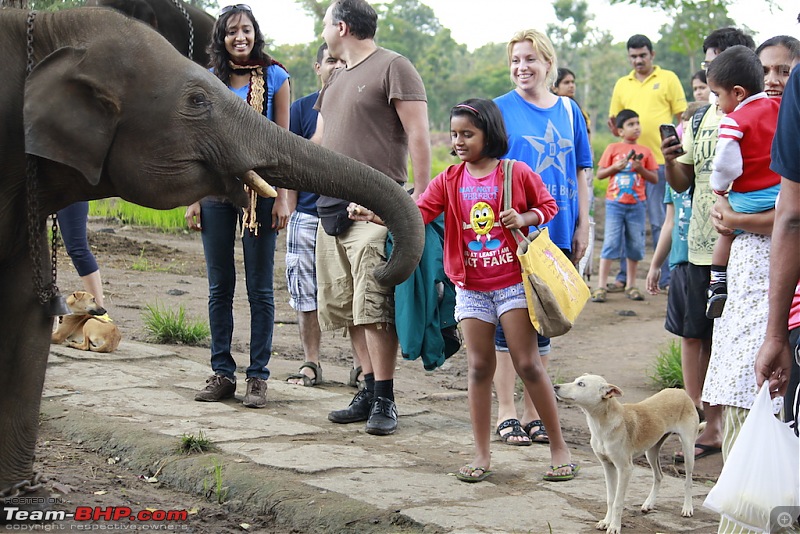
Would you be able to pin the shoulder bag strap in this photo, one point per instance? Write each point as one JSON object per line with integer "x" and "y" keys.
{"x": 697, "y": 118}
{"x": 568, "y": 104}
{"x": 508, "y": 170}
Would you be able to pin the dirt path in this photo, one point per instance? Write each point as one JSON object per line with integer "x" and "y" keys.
{"x": 142, "y": 268}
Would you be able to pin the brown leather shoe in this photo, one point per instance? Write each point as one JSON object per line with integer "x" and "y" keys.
{"x": 217, "y": 388}
{"x": 256, "y": 396}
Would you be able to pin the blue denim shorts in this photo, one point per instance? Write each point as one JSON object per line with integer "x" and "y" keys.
{"x": 488, "y": 306}
{"x": 500, "y": 344}
{"x": 625, "y": 224}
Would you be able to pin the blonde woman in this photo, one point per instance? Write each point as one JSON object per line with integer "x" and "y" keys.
{"x": 549, "y": 134}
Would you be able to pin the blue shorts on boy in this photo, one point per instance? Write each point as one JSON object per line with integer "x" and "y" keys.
{"x": 625, "y": 202}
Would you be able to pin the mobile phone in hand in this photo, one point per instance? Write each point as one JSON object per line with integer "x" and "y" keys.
{"x": 667, "y": 131}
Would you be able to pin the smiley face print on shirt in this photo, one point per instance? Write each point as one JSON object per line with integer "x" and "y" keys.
{"x": 482, "y": 221}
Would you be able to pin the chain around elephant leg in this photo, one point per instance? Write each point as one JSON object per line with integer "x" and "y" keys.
{"x": 20, "y": 488}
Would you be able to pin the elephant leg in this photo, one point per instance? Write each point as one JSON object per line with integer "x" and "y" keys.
{"x": 24, "y": 347}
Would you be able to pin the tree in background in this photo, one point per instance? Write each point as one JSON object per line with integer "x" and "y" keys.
{"x": 588, "y": 52}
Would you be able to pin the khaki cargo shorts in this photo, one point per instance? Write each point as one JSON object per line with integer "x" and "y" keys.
{"x": 347, "y": 292}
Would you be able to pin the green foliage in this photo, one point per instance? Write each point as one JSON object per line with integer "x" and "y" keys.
{"x": 129, "y": 213}
{"x": 667, "y": 372}
{"x": 51, "y": 5}
{"x": 191, "y": 444}
{"x": 173, "y": 327}
{"x": 215, "y": 488}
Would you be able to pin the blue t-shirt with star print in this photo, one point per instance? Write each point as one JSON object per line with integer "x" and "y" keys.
{"x": 552, "y": 147}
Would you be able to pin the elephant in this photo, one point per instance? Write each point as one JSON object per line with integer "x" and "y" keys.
{"x": 110, "y": 108}
{"x": 169, "y": 18}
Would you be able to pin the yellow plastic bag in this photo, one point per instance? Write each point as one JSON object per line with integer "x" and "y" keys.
{"x": 555, "y": 291}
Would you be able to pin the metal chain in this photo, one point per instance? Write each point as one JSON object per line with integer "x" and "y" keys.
{"x": 180, "y": 7}
{"x": 44, "y": 294}
{"x": 20, "y": 488}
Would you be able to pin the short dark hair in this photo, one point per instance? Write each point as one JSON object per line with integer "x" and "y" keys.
{"x": 788, "y": 42}
{"x": 624, "y": 116}
{"x": 486, "y": 116}
{"x": 359, "y": 16}
{"x": 321, "y": 52}
{"x": 737, "y": 65}
{"x": 700, "y": 75}
{"x": 639, "y": 41}
{"x": 724, "y": 38}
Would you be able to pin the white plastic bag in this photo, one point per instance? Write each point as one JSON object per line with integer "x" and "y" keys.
{"x": 762, "y": 471}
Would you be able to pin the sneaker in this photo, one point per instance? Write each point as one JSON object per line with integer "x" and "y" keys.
{"x": 256, "y": 396}
{"x": 717, "y": 295}
{"x": 358, "y": 410}
{"x": 382, "y": 418}
{"x": 217, "y": 388}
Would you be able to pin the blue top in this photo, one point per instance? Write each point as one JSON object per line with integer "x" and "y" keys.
{"x": 303, "y": 122}
{"x": 275, "y": 78}
{"x": 555, "y": 149}
{"x": 679, "y": 251}
{"x": 785, "y": 156}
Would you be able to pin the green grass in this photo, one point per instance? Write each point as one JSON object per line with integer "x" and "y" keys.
{"x": 191, "y": 444}
{"x": 144, "y": 265}
{"x": 129, "y": 213}
{"x": 667, "y": 372}
{"x": 215, "y": 488}
{"x": 168, "y": 326}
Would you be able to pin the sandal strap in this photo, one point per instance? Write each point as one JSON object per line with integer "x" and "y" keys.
{"x": 535, "y": 422}
{"x": 510, "y": 423}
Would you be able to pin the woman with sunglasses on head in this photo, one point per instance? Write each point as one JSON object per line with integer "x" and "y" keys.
{"x": 239, "y": 59}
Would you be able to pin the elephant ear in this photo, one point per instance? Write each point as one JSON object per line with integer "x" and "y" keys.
{"x": 69, "y": 113}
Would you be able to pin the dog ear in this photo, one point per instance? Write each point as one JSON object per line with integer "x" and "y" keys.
{"x": 611, "y": 391}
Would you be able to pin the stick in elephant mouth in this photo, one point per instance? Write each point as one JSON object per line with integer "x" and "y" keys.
{"x": 258, "y": 184}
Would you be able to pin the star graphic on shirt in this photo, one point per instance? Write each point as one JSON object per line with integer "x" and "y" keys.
{"x": 552, "y": 149}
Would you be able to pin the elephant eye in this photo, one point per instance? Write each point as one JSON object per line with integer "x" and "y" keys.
{"x": 198, "y": 99}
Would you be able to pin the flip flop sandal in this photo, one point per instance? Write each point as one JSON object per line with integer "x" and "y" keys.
{"x": 354, "y": 382}
{"x": 634, "y": 294}
{"x": 599, "y": 295}
{"x": 705, "y": 450}
{"x": 516, "y": 432}
{"x": 540, "y": 436}
{"x": 470, "y": 476}
{"x": 574, "y": 469}
{"x": 307, "y": 381}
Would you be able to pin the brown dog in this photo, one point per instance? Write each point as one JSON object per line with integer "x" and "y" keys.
{"x": 621, "y": 432}
{"x": 83, "y": 329}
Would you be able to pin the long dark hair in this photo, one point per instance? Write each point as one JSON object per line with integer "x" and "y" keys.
{"x": 218, "y": 55}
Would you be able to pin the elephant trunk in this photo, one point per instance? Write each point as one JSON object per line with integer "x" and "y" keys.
{"x": 304, "y": 166}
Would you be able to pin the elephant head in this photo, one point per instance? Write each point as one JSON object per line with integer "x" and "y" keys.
{"x": 182, "y": 24}
{"x": 112, "y": 109}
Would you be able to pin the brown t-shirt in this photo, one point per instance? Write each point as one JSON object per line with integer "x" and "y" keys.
{"x": 359, "y": 118}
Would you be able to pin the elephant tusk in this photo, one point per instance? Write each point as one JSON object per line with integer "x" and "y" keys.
{"x": 259, "y": 185}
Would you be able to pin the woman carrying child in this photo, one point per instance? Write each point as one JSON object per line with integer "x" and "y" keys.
{"x": 480, "y": 259}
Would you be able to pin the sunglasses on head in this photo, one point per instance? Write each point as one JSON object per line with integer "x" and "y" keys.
{"x": 242, "y": 7}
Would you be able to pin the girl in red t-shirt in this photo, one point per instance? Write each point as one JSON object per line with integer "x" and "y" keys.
{"x": 480, "y": 259}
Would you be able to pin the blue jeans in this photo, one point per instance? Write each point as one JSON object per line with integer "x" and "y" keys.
{"x": 72, "y": 224}
{"x": 656, "y": 212}
{"x": 220, "y": 222}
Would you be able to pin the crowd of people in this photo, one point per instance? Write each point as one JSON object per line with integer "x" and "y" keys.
{"x": 708, "y": 190}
